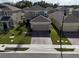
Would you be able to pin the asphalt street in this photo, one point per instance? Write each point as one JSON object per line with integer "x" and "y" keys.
{"x": 37, "y": 55}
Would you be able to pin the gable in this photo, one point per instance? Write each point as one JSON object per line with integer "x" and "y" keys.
{"x": 40, "y": 19}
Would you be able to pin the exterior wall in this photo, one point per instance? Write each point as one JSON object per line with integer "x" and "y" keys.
{"x": 40, "y": 27}
{"x": 76, "y": 13}
{"x": 7, "y": 24}
{"x": 5, "y": 13}
{"x": 16, "y": 18}
{"x": 71, "y": 27}
{"x": 1, "y": 26}
{"x": 67, "y": 27}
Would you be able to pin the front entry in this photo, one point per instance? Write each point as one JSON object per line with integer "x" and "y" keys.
{"x": 5, "y": 27}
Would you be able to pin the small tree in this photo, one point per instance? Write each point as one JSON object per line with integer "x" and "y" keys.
{"x": 55, "y": 5}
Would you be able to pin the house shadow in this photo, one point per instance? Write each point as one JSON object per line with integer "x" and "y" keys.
{"x": 72, "y": 34}
{"x": 67, "y": 34}
{"x": 40, "y": 34}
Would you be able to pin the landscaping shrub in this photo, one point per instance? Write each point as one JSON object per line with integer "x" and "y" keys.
{"x": 20, "y": 31}
{"x": 17, "y": 29}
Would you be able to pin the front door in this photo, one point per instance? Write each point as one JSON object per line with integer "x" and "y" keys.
{"x": 5, "y": 27}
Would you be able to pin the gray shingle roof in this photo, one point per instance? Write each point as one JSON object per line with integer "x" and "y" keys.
{"x": 12, "y": 8}
{"x": 4, "y": 8}
{"x": 58, "y": 16}
{"x": 49, "y": 8}
{"x": 40, "y": 19}
{"x": 36, "y": 7}
{"x": 72, "y": 19}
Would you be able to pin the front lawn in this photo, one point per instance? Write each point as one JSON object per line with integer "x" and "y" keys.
{"x": 56, "y": 40}
{"x": 19, "y": 36}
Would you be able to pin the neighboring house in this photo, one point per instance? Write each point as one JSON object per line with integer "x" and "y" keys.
{"x": 5, "y": 23}
{"x": 34, "y": 11}
{"x": 5, "y": 11}
{"x": 40, "y": 23}
{"x": 50, "y": 10}
{"x": 76, "y": 11}
{"x": 71, "y": 21}
{"x": 16, "y": 14}
{"x": 5, "y": 17}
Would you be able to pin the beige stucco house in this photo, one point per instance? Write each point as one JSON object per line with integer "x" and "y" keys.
{"x": 71, "y": 21}
{"x": 16, "y": 14}
{"x": 40, "y": 23}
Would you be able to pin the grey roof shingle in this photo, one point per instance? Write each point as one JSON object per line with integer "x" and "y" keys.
{"x": 40, "y": 19}
{"x": 72, "y": 19}
{"x": 36, "y": 7}
{"x": 4, "y": 8}
{"x": 58, "y": 16}
{"x": 12, "y": 8}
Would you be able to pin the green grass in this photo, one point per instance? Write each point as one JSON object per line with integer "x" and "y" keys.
{"x": 64, "y": 49}
{"x": 55, "y": 36}
{"x": 19, "y": 39}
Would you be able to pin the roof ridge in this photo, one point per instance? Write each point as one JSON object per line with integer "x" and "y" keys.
{"x": 38, "y": 18}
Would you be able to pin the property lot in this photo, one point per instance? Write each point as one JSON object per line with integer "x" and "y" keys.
{"x": 19, "y": 36}
{"x": 55, "y": 37}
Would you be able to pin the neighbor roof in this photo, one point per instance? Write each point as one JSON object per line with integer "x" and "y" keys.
{"x": 58, "y": 16}
{"x": 72, "y": 19}
{"x": 40, "y": 19}
{"x": 36, "y": 7}
{"x": 12, "y": 8}
{"x": 49, "y": 8}
{"x": 4, "y": 8}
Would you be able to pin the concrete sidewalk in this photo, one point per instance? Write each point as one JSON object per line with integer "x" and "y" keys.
{"x": 41, "y": 40}
{"x": 74, "y": 41}
{"x": 38, "y": 48}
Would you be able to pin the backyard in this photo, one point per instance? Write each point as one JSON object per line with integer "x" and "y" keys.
{"x": 20, "y": 34}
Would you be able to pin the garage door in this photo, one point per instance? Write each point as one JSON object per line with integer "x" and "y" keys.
{"x": 40, "y": 33}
